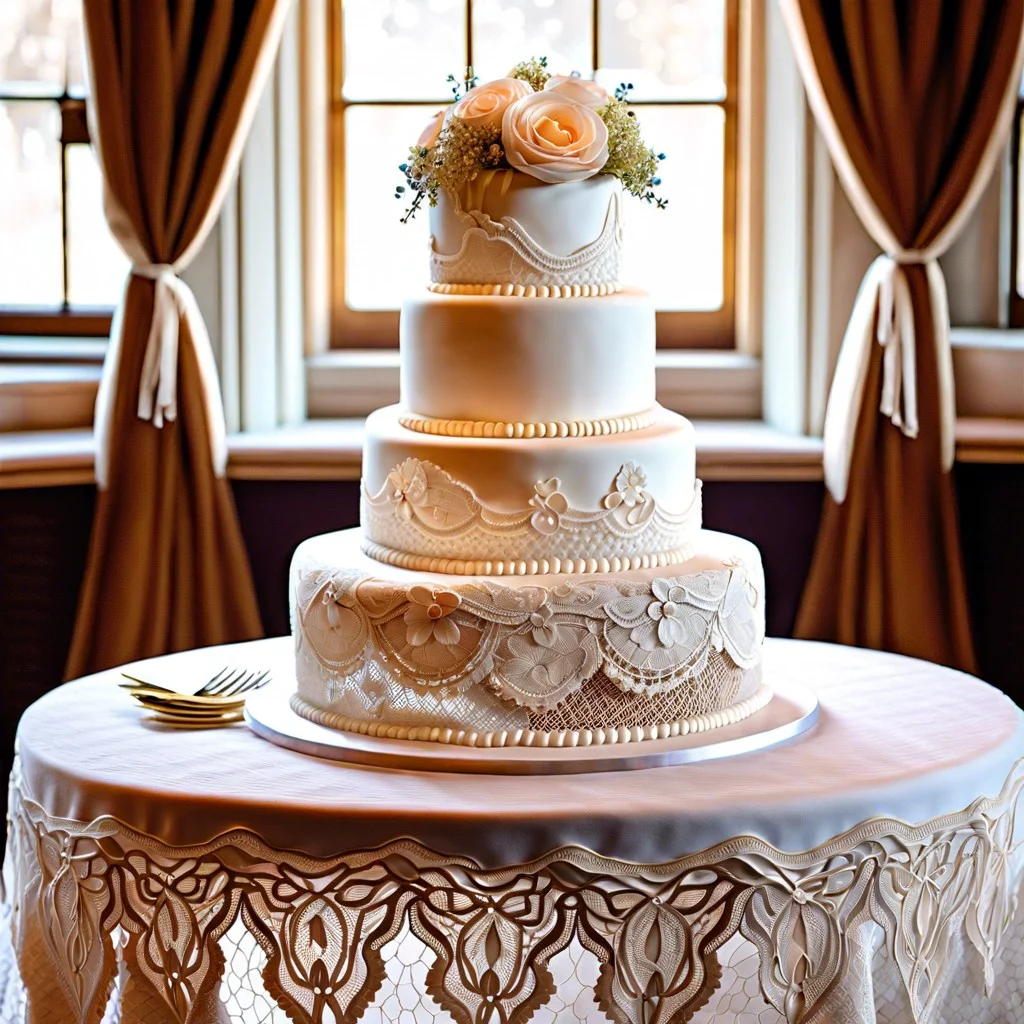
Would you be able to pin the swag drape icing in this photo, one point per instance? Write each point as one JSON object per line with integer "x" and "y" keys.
{"x": 174, "y": 87}
{"x": 914, "y": 99}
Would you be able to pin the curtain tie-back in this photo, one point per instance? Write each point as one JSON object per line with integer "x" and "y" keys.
{"x": 885, "y": 289}
{"x": 895, "y": 333}
{"x": 173, "y": 303}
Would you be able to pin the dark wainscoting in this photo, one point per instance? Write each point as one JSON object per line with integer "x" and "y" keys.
{"x": 44, "y": 536}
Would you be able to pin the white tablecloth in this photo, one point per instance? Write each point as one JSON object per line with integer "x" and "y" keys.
{"x": 866, "y": 872}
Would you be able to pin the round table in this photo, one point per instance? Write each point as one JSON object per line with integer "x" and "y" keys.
{"x": 869, "y": 870}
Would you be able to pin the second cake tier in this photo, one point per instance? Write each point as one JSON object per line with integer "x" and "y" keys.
{"x": 568, "y": 365}
{"x": 517, "y": 506}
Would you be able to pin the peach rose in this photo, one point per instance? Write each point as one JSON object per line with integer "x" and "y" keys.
{"x": 554, "y": 138}
{"x": 428, "y": 137}
{"x": 582, "y": 90}
{"x": 486, "y": 104}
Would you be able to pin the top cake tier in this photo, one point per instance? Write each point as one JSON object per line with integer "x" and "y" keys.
{"x": 507, "y": 233}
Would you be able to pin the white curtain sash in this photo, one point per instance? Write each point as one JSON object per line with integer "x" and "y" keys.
{"x": 173, "y": 304}
{"x": 899, "y": 394}
{"x": 885, "y": 287}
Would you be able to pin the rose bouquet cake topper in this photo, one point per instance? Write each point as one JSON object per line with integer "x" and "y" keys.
{"x": 554, "y": 127}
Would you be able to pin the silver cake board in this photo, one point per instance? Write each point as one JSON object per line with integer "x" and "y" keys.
{"x": 792, "y": 711}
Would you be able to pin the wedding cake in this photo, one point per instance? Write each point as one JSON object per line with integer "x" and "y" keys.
{"x": 530, "y": 569}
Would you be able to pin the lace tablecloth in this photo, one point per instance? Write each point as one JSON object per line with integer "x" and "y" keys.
{"x": 870, "y": 871}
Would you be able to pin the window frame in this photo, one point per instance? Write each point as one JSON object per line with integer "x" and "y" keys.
{"x": 66, "y": 320}
{"x": 1015, "y": 301}
{"x": 701, "y": 330}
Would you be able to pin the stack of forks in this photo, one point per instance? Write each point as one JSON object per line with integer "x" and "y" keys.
{"x": 218, "y": 702}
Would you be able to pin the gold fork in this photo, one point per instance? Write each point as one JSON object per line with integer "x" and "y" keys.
{"x": 218, "y": 702}
{"x": 227, "y": 683}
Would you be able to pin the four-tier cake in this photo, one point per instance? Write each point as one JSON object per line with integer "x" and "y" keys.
{"x": 530, "y": 567}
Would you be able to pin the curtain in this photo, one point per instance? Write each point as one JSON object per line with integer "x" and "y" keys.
{"x": 174, "y": 87}
{"x": 914, "y": 99}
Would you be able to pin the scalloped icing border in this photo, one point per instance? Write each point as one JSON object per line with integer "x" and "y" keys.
{"x": 534, "y": 737}
{"x": 527, "y": 291}
{"x": 524, "y": 567}
{"x": 555, "y": 428}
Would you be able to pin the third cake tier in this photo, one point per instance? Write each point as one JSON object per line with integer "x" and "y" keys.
{"x": 525, "y": 505}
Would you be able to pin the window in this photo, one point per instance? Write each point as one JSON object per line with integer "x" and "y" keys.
{"x": 389, "y": 62}
{"x": 1016, "y": 290}
{"x": 60, "y": 270}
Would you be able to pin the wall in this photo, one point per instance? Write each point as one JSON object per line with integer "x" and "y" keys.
{"x": 44, "y": 536}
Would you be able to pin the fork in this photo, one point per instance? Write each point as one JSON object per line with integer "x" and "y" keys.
{"x": 226, "y": 683}
{"x": 230, "y": 684}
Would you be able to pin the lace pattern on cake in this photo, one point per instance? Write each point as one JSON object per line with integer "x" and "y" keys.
{"x": 479, "y": 650}
{"x": 502, "y": 252}
{"x": 423, "y": 511}
{"x": 611, "y": 717}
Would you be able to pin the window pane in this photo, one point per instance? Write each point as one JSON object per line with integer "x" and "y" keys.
{"x": 668, "y": 49}
{"x": 508, "y": 31}
{"x": 31, "y": 270}
{"x": 384, "y": 260}
{"x": 402, "y": 49}
{"x": 36, "y": 37}
{"x": 75, "y": 36}
{"x": 96, "y": 265}
{"x": 677, "y": 253}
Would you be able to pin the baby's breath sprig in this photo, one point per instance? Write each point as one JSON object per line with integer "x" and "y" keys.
{"x": 629, "y": 160}
{"x": 462, "y": 150}
{"x": 535, "y": 71}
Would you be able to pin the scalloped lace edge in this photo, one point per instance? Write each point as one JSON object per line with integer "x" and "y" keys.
{"x": 527, "y": 291}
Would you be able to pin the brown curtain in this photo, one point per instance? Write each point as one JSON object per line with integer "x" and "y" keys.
{"x": 174, "y": 86}
{"x": 914, "y": 98}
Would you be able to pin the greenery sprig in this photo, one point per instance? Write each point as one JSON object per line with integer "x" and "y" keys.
{"x": 469, "y": 81}
{"x": 460, "y": 153}
{"x": 629, "y": 159}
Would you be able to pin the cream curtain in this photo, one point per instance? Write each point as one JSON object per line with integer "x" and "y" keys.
{"x": 914, "y": 99}
{"x": 174, "y": 86}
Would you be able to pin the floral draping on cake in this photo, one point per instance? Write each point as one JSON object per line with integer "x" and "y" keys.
{"x": 174, "y": 89}
{"x": 914, "y": 99}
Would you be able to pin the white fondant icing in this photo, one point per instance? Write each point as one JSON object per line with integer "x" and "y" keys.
{"x": 622, "y": 655}
{"x": 423, "y": 517}
{"x": 502, "y": 472}
{"x": 505, "y": 227}
{"x": 519, "y": 361}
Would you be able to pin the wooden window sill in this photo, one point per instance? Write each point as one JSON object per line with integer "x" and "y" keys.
{"x": 332, "y": 449}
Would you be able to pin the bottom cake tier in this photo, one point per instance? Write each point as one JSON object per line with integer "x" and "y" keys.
{"x": 567, "y": 660}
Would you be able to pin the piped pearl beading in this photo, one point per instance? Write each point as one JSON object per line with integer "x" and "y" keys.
{"x": 533, "y": 737}
{"x": 557, "y": 428}
{"x": 524, "y": 567}
{"x": 527, "y": 291}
